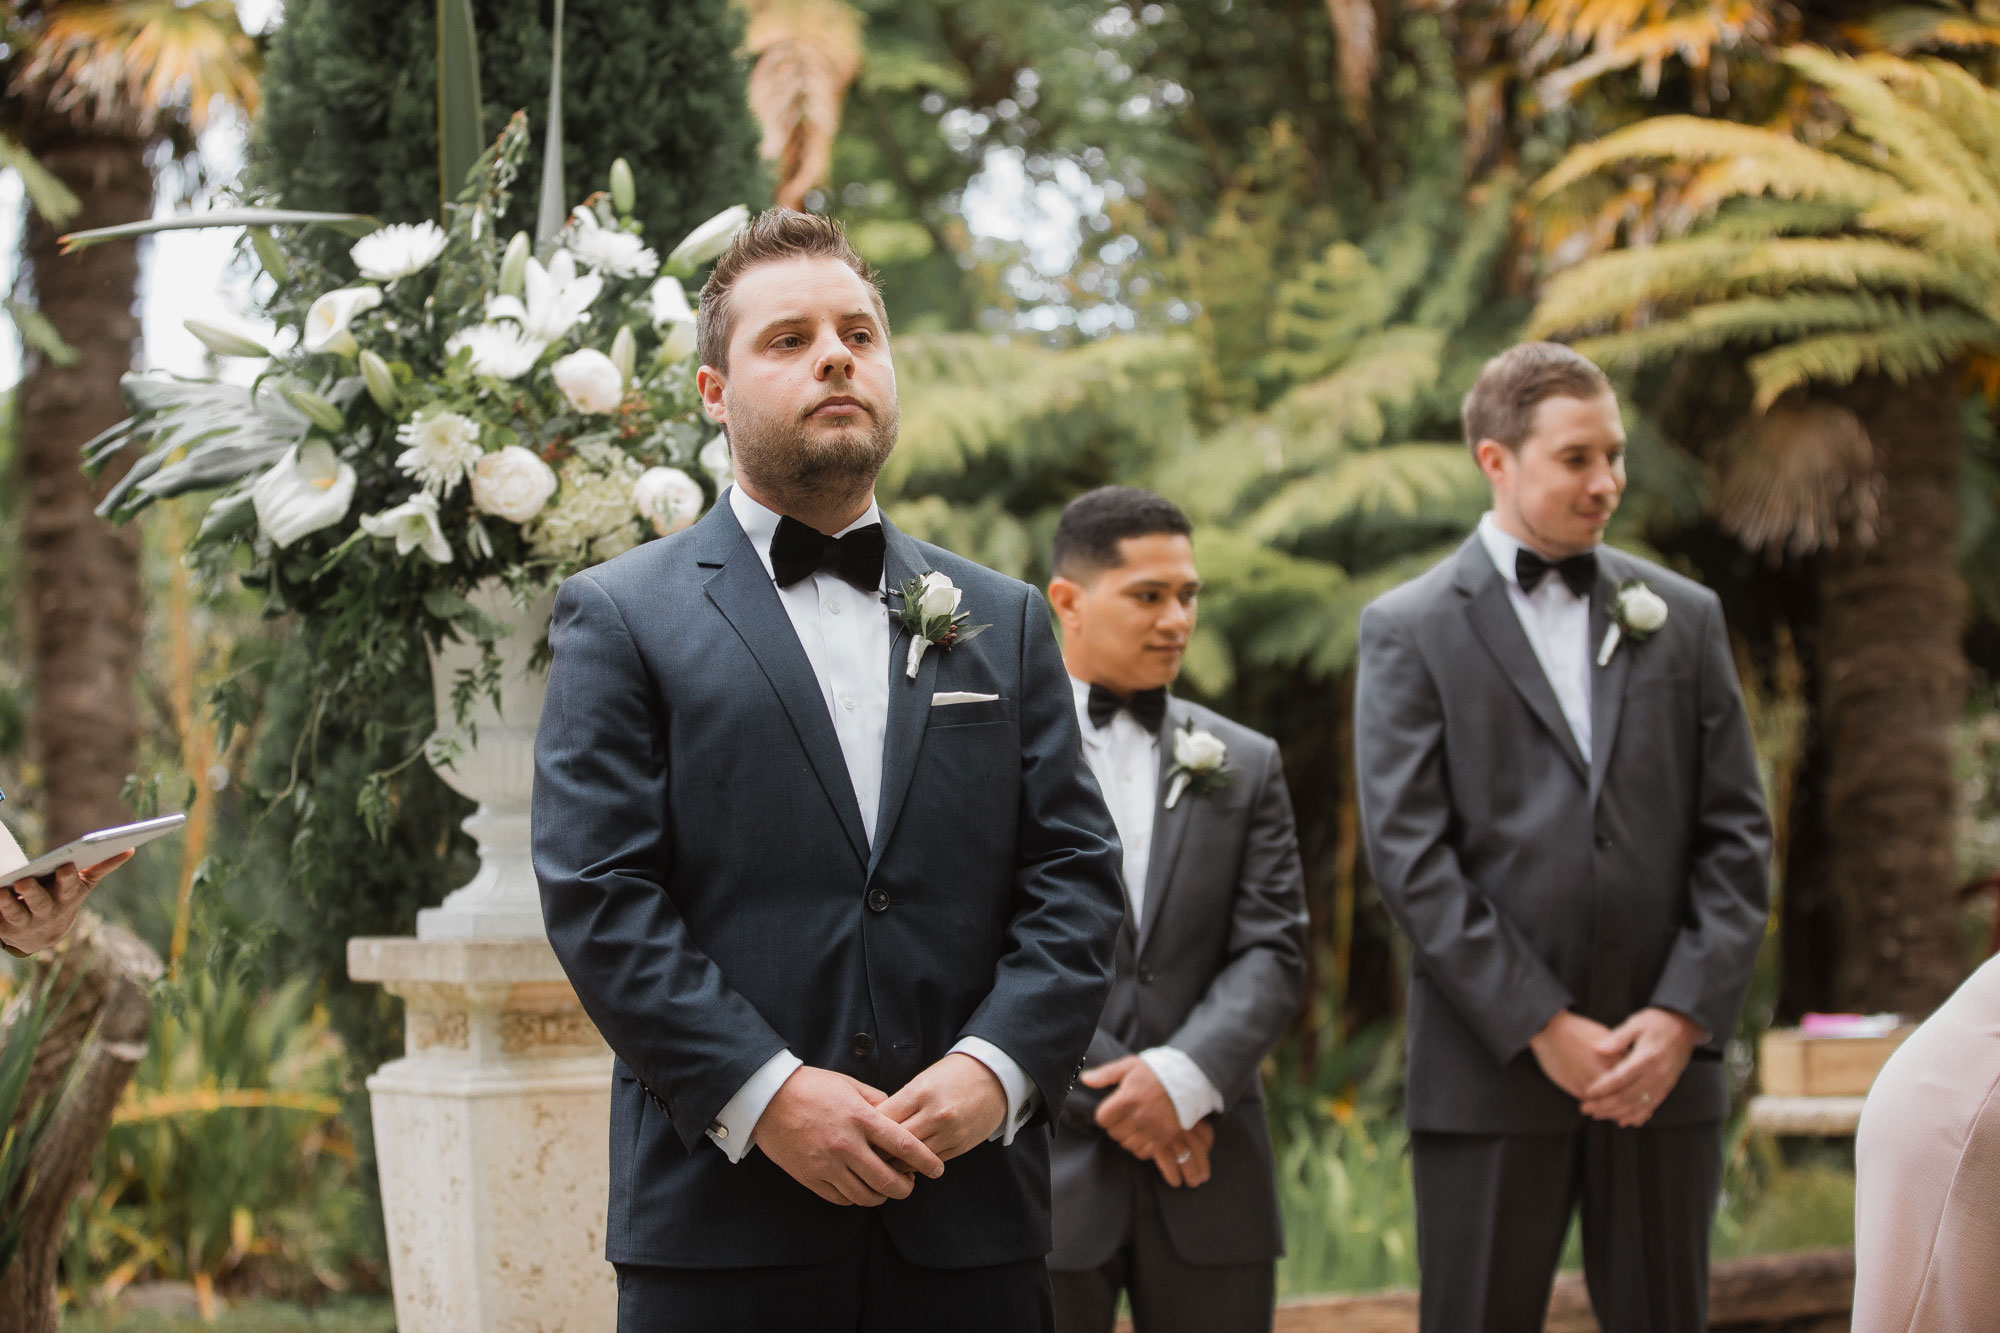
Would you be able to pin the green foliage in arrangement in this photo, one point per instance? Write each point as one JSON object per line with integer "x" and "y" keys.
{"x": 227, "y": 1163}
{"x": 1869, "y": 254}
{"x": 350, "y": 104}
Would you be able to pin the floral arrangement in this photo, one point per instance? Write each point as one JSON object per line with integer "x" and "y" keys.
{"x": 463, "y": 405}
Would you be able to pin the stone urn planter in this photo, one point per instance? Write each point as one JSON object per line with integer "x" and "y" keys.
{"x": 495, "y": 766}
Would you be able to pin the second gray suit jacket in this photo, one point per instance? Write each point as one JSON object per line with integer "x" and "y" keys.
{"x": 1530, "y": 881}
{"x": 1215, "y": 971}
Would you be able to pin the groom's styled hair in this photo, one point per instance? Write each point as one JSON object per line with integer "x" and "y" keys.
{"x": 1502, "y": 401}
{"x": 777, "y": 234}
{"x": 1092, "y": 525}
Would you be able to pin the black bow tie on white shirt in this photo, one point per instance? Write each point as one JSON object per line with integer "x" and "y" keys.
{"x": 798, "y": 552}
{"x": 1148, "y": 707}
{"x": 1579, "y": 571}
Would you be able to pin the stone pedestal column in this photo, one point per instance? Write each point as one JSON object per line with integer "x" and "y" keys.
{"x": 490, "y": 1133}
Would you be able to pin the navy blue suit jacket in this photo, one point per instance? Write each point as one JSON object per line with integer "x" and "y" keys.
{"x": 708, "y": 887}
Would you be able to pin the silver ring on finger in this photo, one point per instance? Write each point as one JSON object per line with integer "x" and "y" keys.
{"x": 1181, "y": 1157}
{"x": 1645, "y": 1099}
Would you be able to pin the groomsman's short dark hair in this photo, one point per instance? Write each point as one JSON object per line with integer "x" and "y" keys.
{"x": 777, "y": 234}
{"x": 1092, "y": 525}
{"x": 1502, "y": 401}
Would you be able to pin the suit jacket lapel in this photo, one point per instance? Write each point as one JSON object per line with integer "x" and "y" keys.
{"x": 744, "y": 593}
{"x": 909, "y": 700}
{"x": 1499, "y": 628}
{"x": 1169, "y": 829}
{"x": 1607, "y": 683}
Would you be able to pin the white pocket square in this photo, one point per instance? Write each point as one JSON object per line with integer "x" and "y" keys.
{"x": 960, "y": 697}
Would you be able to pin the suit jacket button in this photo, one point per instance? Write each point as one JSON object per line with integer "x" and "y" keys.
{"x": 864, "y": 1045}
{"x": 1145, "y": 975}
{"x": 878, "y": 900}
{"x": 1603, "y": 841}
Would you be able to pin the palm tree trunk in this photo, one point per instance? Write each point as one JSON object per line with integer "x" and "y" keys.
{"x": 1893, "y": 681}
{"x": 81, "y": 584}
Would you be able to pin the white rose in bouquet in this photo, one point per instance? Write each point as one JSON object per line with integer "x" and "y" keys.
{"x": 716, "y": 462}
{"x": 414, "y": 526}
{"x": 668, "y": 498}
{"x": 328, "y": 317}
{"x": 590, "y": 380}
{"x": 940, "y": 595}
{"x": 1199, "y": 751}
{"x": 512, "y": 483}
{"x": 1645, "y": 610}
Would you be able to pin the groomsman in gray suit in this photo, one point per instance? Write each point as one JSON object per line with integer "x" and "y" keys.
{"x": 1162, "y": 1162}
{"x": 1562, "y": 809}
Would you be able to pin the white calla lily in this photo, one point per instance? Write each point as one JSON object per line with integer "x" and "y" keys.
{"x": 668, "y": 498}
{"x": 413, "y": 525}
{"x": 710, "y": 239}
{"x": 306, "y": 490}
{"x": 328, "y": 317}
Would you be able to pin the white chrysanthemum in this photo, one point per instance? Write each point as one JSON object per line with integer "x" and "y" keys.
{"x": 500, "y": 350}
{"x": 441, "y": 449}
{"x": 398, "y": 251}
{"x": 607, "y": 250}
{"x": 593, "y": 517}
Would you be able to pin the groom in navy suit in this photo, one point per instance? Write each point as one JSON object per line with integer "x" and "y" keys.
{"x": 841, "y": 902}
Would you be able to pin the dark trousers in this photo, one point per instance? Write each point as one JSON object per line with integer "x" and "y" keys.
{"x": 869, "y": 1289}
{"x": 1493, "y": 1209}
{"x": 1169, "y": 1294}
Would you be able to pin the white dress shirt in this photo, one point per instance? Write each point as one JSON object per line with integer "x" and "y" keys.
{"x": 846, "y": 636}
{"x": 1125, "y": 759}
{"x": 1557, "y": 623}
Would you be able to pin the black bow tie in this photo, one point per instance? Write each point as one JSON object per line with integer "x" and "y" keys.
{"x": 798, "y": 552}
{"x": 1148, "y": 707}
{"x": 1579, "y": 571}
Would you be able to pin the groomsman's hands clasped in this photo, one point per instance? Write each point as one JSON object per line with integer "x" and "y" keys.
{"x": 1618, "y": 1074}
{"x": 1140, "y": 1117}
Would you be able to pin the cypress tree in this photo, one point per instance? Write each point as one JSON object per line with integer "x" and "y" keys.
{"x": 350, "y": 105}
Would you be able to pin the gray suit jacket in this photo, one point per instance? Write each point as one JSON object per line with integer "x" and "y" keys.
{"x": 1529, "y": 881}
{"x": 1215, "y": 972}
{"x": 710, "y": 892}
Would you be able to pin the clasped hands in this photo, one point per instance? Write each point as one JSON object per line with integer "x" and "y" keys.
{"x": 853, "y": 1144}
{"x": 1619, "y": 1074}
{"x": 1140, "y": 1117}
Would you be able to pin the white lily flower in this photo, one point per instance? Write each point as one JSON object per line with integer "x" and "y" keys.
{"x": 608, "y": 250}
{"x": 441, "y": 449}
{"x": 710, "y": 239}
{"x": 668, "y": 498}
{"x": 502, "y": 351}
{"x": 306, "y": 490}
{"x": 398, "y": 250}
{"x": 414, "y": 526}
{"x": 590, "y": 380}
{"x": 556, "y": 298}
{"x": 328, "y": 317}
{"x": 674, "y": 317}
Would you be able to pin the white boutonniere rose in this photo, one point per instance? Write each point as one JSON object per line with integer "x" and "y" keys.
{"x": 930, "y": 613}
{"x": 1201, "y": 764}
{"x": 1637, "y": 614}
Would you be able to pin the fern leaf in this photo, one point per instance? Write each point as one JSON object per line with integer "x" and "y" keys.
{"x": 1924, "y": 152}
{"x": 1918, "y": 346}
{"x": 1755, "y": 320}
{"x": 1765, "y": 161}
{"x": 1438, "y": 481}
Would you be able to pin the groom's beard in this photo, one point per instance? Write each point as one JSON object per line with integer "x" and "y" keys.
{"x": 783, "y": 461}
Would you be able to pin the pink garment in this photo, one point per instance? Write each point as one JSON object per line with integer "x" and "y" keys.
{"x": 1927, "y": 1174}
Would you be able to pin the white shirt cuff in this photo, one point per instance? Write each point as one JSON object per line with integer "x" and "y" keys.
{"x": 1022, "y": 1099}
{"x": 1187, "y": 1087}
{"x": 734, "y": 1129}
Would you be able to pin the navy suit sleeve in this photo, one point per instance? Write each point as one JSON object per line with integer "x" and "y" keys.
{"x": 603, "y": 849}
{"x": 1054, "y": 973}
{"x": 1708, "y": 970}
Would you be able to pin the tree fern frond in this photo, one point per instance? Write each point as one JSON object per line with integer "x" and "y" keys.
{"x": 1766, "y": 162}
{"x": 1961, "y": 101}
{"x": 1759, "y": 219}
{"x": 1401, "y": 481}
{"x": 1940, "y": 222}
{"x": 1756, "y": 320}
{"x": 1351, "y": 405}
{"x": 1704, "y": 267}
{"x": 1925, "y": 152}
{"x": 1912, "y": 348}
{"x": 1323, "y": 311}
{"x": 1910, "y": 28}
{"x": 1459, "y": 288}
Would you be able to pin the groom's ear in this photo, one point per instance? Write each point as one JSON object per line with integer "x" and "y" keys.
{"x": 708, "y": 383}
{"x": 1065, "y": 598}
